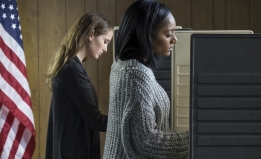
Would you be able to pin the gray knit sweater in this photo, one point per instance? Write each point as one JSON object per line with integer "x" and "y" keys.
{"x": 138, "y": 126}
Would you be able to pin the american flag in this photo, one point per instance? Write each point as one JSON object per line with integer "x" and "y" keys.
{"x": 17, "y": 130}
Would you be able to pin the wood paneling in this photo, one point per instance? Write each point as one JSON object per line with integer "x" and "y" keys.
{"x": 161, "y": 1}
{"x": 107, "y": 7}
{"x": 91, "y": 65}
{"x": 45, "y": 23}
{"x": 219, "y": 14}
{"x": 255, "y": 14}
{"x": 237, "y": 15}
{"x": 28, "y": 18}
{"x": 74, "y": 10}
{"x": 202, "y": 14}
{"x": 52, "y": 28}
{"x": 121, "y": 6}
{"x": 181, "y": 10}
{"x": 105, "y": 61}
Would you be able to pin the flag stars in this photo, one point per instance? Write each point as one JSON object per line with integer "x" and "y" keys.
{"x": 21, "y": 37}
{"x": 13, "y": 26}
{"x": 18, "y": 18}
{"x": 19, "y": 27}
{"x": 11, "y": 7}
{"x": 12, "y": 16}
{"x": 4, "y": 15}
{"x": 3, "y": 6}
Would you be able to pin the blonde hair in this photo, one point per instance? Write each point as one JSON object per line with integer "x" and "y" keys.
{"x": 74, "y": 40}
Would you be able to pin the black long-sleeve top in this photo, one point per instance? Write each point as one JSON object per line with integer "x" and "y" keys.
{"x": 74, "y": 119}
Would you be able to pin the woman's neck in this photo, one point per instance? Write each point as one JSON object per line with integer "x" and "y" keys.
{"x": 81, "y": 54}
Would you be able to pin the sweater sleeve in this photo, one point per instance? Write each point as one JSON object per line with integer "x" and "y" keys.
{"x": 139, "y": 129}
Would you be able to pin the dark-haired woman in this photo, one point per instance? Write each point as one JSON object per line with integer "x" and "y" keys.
{"x": 75, "y": 120}
{"x": 138, "y": 126}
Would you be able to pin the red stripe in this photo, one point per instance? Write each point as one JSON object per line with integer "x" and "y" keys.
{"x": 29, "y": 149}
{"x": 17, "y": 140}
{"x": 13, "y": 57}
{"x": 9, "y": 78}
{"x": 16, "y": 112}
{"x": 5, "y": 130}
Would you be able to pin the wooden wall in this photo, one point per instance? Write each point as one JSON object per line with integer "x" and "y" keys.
{"x": 45, "y": 22}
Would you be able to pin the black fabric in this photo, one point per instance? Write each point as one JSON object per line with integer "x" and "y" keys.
{"x": 74, "y": 120}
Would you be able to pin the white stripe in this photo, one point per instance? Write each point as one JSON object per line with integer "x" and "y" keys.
{"x": 3, "y": 114}
{"x": 16, "y": 98}
{"x": 12, "y": 44}
{"x": 14, "y": 71}
{"x": 10, "y": 139}
{"x": 23, "y": 144}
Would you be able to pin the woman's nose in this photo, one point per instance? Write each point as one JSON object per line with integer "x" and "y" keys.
{"x": 175, "y": 39}
{"x": 104, "y": 49}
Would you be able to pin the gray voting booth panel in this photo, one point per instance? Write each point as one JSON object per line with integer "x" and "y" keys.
{"x": 181, "y": 75}
{"x": 225, "y": 114}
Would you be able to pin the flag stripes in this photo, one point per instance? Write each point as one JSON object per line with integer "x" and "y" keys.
{"x": 30, "y": 140}
{"x": 13, "y": 57}
{"x": 15, "y": 138}
{"x": 14, "y": 84}
{"x": 5, "y": 133}
{"x": 12, "y": 43}
{"x": 17, "y": 130}
{"x": 13, "y": 62}
{"x": 18, "y": 137}
{"x": 21, "y": 111}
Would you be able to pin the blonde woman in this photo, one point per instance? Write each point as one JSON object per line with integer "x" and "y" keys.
{"x": 74, "y": 120}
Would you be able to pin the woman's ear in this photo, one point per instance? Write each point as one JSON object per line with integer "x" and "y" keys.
{"x": 91, "y": 35}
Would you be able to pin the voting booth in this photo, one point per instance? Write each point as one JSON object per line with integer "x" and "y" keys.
{"x": 213, "y": 80}
{"x": 174, "y": 73}
{"x": 180, "y": 66}
{"x": 225, "y": 96}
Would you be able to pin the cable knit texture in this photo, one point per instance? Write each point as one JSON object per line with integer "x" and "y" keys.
{"x": 138, "y": 125}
